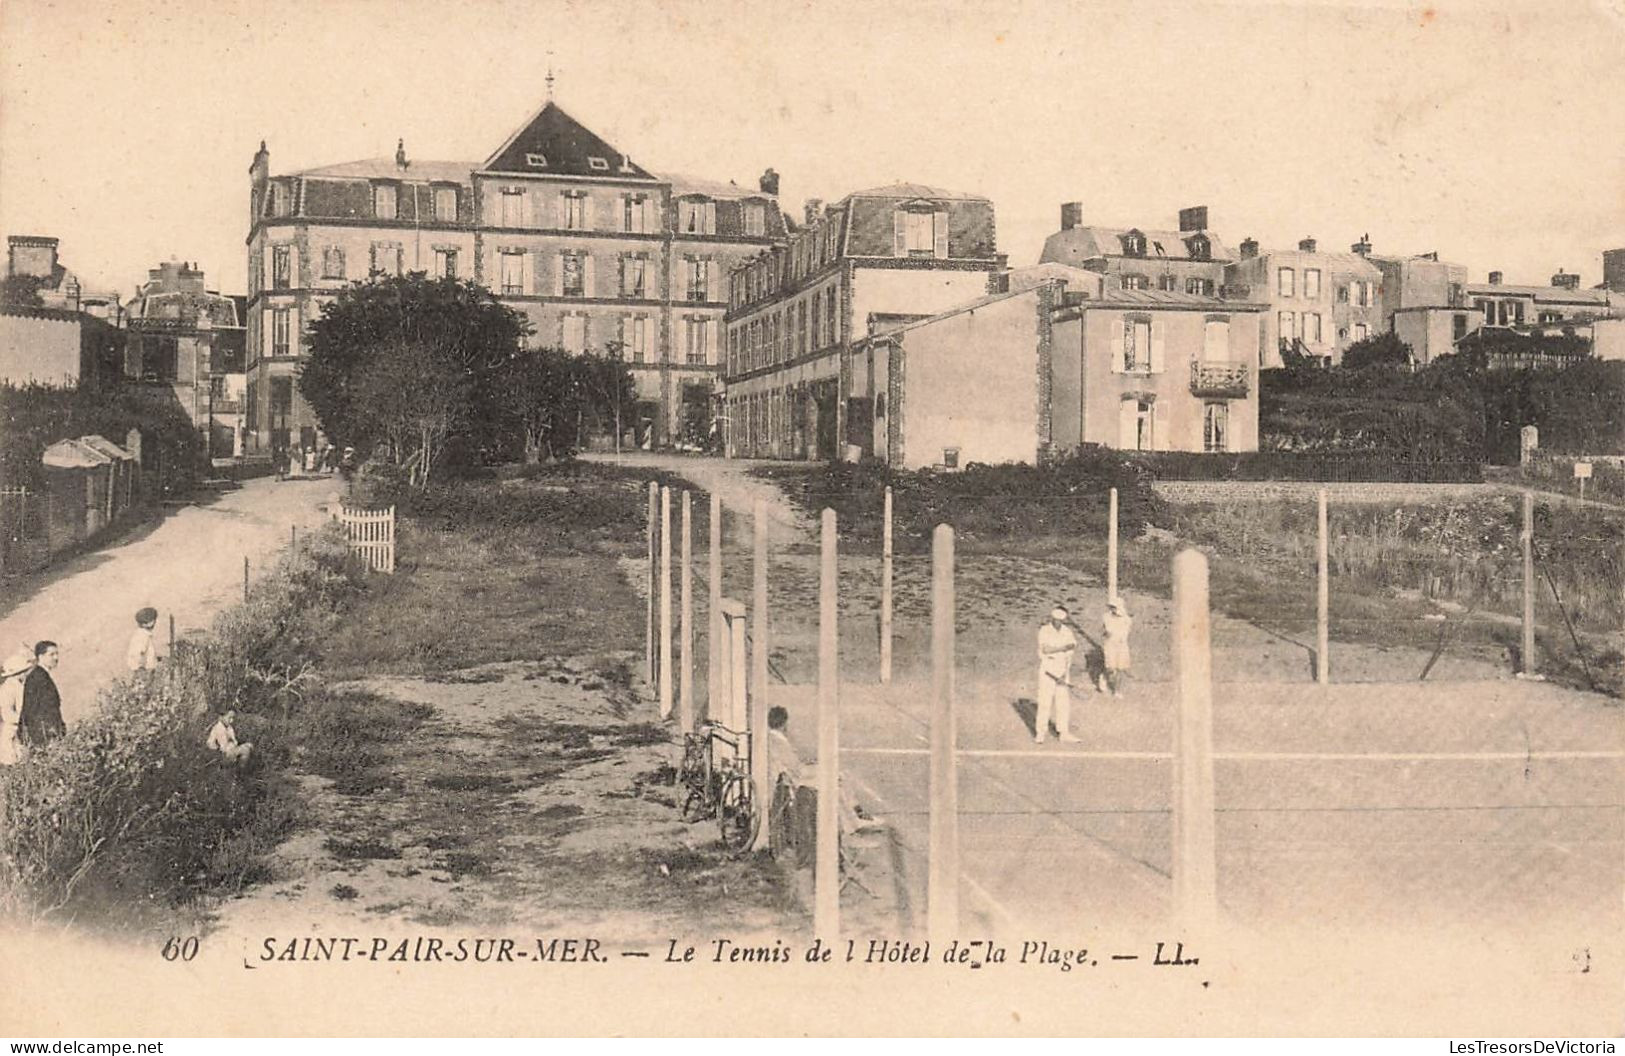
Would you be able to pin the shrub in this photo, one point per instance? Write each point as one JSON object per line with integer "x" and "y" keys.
{"x": 982, "y": 502}
{"x": 132, "y": 797}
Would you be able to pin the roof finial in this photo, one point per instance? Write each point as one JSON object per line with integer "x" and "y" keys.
{"x": 550, "y": 76}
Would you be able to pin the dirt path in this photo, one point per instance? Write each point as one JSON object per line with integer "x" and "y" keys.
{"x": 189, "y": 566}
{"x": 524, "y": 798}
{"x": 729, "y": 478}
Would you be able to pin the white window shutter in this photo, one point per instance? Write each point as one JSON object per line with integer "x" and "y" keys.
{"x": 588, "y": 287}
{"x": 558, "y": 274}
{"x": 1157, "y": 328}
{"x": 1116, "y": 349}
{"x": 940, "y": 227}
{"x": 293, "y": 267}
{"x": 711, "y": 341}
{"x": 1128, "y": 412}
{"x": 267, "y": 332}
{"x": 1157, "y": 442}
{"x": 710, "y": 218}
{"x": 560, "y": 204}
{"x": 586, "y": 213}
{"x": 899, "y": 233}
{"x": 527, "y": 273}
{"x": 266, "y": 256}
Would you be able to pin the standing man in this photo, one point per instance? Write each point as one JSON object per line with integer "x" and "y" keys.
{"x": 1056, "y": 647}
{"x": 42, "y": 704}
{"x": 142, "y": 655}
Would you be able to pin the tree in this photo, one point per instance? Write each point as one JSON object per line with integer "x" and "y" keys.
{"x": 411, "y": 362}
{"x": 552, "y": 396}
{"x": 21, "y": 291}
{"x": 417, "y": 417}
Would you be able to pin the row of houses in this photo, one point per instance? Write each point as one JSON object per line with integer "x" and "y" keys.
{"x": 885, "y": 324}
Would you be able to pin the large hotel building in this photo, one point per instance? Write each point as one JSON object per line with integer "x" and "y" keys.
{"x": 595, "y": 250}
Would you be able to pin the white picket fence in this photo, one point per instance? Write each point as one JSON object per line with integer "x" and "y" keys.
{"x": 371, "y": 534}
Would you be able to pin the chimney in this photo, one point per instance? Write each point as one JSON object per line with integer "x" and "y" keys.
{"x": 31, "y": 255}
{"x": 1306, "y": 245}
{"x": 1249, "y": 248}
{"x": 1432, "y": 255}
{"x": 811, "y": 209}
{"x": 1362, "y": 247}
{"x": 1565, "y": 281}
{"x": 1495, "y": 278}
{"x": 400, "y": 154}
{"x": 1071, "y": 215}
{"x": 1613, "y": 269}
{"x": 769, "y": 183}
{"x": 1193, "y": 219}
{"x": 260, "y": 167}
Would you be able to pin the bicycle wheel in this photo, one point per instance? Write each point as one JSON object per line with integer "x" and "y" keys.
{"x": 737, "y": 813}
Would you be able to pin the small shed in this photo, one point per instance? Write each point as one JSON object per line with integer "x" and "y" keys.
{"x": 90, "y": 481}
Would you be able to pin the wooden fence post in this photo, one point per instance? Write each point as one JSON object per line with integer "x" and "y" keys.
{"x": 649, "y": 629}
{"x": 942, "y": 891}
{"x": 245, "y": 577}
{"x": 713, "y": 643}
{"x": 685, "y": 622}
{"x": 759, "y": 631}
{"x": 885, "y": 593}
{"x": 1530, "y": 663}
{"x": 827, "y": 878}
{"x": 665, "y": 603}
{"x": 1111, "y": 546}
{"x": 1323, "y": 634}
{"x": 1195, "y": 870}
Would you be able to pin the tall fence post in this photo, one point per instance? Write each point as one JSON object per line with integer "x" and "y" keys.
{"x": 293, "y": 537}
{"x": 1323, "y": 602}
{"x": 1111, "y": 546}
{"x": 172, "y": 634}
{"x": 685, "y": 621}
{"x": 885, "y": 593}
{"x": 245, "y": 577}
{"x": 1527, "y": 539}
{"x": 1195, "y": 869}
{"x": 649, "y": 630}
{"x": 664, "y": 661}
{"x": 713, "y": 641}
{"x": 942, "y": 856}
{"x": 827, "y": 876}
{"x": 759, "y": 632}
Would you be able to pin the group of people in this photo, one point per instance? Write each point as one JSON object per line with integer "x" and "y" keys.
{"x": 30, "y": 706}
{"x": 296, "y": 461}
{"x": 1058, "y": 647}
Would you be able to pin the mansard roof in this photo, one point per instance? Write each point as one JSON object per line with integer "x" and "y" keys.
{"x": 564, "y": 147}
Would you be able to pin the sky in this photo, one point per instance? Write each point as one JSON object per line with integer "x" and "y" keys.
{"x": 1492, "y": 133}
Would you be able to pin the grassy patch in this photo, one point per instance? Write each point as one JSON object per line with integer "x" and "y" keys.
{"x": 497, "y": 570}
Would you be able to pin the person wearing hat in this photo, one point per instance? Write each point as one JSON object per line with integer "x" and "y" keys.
{"x": 142, "y": 655}
{"x": 12, "y": 674}
{"x": 1114, "y": 652}
{"x": 1056, "y": 647}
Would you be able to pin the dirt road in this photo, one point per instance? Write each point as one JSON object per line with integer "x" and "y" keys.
{"x": 189, "y": 566}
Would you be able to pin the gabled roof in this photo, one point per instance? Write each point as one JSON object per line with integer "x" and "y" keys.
{"x": 1079, "y": 244}
{"x": 386, "y": 169}
{"x": 568, "y": 147}
{"x": 916, "y": 190}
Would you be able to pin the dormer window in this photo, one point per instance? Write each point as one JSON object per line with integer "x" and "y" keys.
{"x": 1200, "y": 248}
{"x": 536, "y": 161}
{"x": 1134, "y": 244}
{"x": 598, "y": 164}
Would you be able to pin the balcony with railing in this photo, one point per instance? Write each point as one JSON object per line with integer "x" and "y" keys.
{"x": 1227, "y": 380}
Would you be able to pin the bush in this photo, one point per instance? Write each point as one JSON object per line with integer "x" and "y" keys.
{"x": 132, "y": 799}
{"x": 982, "y": 502}
{"x": 37, "y": 416}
